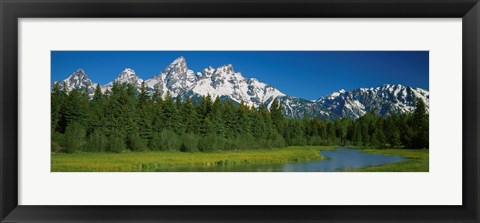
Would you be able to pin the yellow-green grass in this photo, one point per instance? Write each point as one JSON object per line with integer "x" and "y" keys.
{"x": 156, "y": 160}
{"x": 417, "y": 161}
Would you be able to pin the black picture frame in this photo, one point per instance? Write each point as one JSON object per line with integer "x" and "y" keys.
{"x": 12, "y": 10}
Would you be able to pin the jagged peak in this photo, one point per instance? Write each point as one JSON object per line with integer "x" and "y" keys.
{"x": 206, "y": 72}
{"x": 128, "y": 75}
{"x": 390, "y": 86}
{"x": 179, "y": 59}
{"x": 128, "y": 70}
{"x": 80, "y": 70}
{"x": 78, "y": 74}
{"x": 179, "y": 62}
{"x": 227, "y": 67}
{"x": 226, "y": 71}
{"x": 77, "y": 80}
{"x": 394, "y": 86}
{"x": 383, "y": 87}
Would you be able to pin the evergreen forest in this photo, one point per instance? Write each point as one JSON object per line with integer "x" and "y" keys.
{"x": 130, "y": 119}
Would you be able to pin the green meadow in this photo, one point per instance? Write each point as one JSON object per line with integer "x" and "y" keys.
{"x": 156, "y": 160}
{"x": 417, "y": 160}
{"x": 150, "y": 161}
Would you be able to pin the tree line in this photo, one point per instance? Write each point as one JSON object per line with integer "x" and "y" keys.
{"x": 125, "y": 118}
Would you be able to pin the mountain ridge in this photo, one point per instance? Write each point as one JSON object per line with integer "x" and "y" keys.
{"x": 225, "y": 82}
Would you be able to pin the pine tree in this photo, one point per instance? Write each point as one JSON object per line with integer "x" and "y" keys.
{"x": 217, "y": 118}
{"x": 357, "y": 134}
{"x": 170, "y": 115}
{"x": 259, "y": 127}
{"x": 420, "y": 126}
{"x": 157, "y": 96}
{"x": 157, "y": 111}
{"x": 189, "y": 117}
{"x": 179, "y": 126}
{"x": 205, "y": 106}
{"x": 207, "y": 127}
{"x": 144, "y": 96}
{"x": 57, "y": 100}
{"x": 344, "y": 125}
{"x": 392, "y": 131}
{"x": 97, "y": 108}
{"x": 277, "y": 115}
{"x": 74, "y": 110}
{"x": 243, "y": 120}
{"x": 97, "y": 95}
{"x": 230, "y": 120}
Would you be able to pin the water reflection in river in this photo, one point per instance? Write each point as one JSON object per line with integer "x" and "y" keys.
{"x": 340, "y": 159}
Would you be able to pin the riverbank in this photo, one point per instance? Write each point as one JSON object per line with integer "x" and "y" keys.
{"x": 417, "y": 161}
{"x": 155, "y": 160}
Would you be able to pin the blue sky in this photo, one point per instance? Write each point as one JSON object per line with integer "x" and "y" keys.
{"x": 305, "y": 74}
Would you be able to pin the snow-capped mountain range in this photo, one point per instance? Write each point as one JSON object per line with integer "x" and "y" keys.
{"x": 385, "y": 99}
{"x": 227, "y": 84}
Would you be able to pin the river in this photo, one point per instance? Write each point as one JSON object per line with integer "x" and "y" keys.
{"x": 340, "y": 159}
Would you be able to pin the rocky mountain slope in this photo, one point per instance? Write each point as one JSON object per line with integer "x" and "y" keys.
{"x": 384, "y": 99}
{"x": 226, "y": 83}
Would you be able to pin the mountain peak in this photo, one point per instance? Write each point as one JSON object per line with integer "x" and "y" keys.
{"x": 79, "y": 74}
{"x": 179, "y": 61}
{"x": 78, "y": 80}
{"x": 128, "y": 70}
{"x": 80, "y": 70}
{"x": 226, "y": 69}
{"x": 179, "y": 65}
{"x": 176, "y": 78}
{"x": 126, "y": 76}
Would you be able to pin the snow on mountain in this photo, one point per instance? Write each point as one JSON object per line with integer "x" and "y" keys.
{"x": 385, "y": 99}
{"x": 227, "y": 84}
{"x": 126, "y": 76}
{"x": 216, "y": 82}
{"x": 294, "y": 107}
{"x": 78, "y": 80}
{"x": 176, "y": 78}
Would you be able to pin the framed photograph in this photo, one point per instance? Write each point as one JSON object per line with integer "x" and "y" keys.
{"x": 234, "y": 111}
